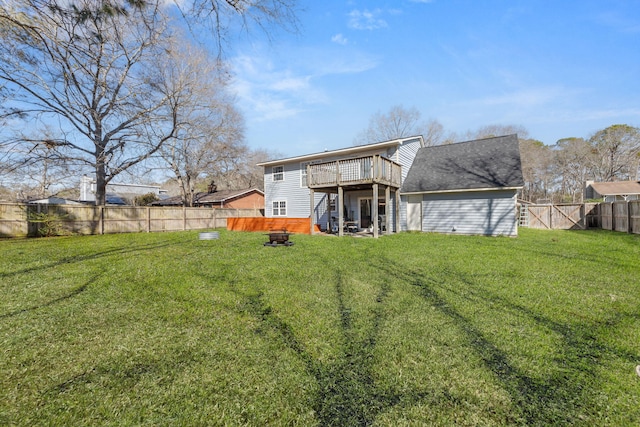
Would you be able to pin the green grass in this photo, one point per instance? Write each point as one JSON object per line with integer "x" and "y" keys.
{"x": 409, "y": 329}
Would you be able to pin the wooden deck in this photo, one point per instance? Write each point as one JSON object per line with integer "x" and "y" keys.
{"x": 354, "y": 172}
{"x": 374, "y": 173}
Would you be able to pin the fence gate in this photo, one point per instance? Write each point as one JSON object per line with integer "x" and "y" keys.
{"x": 563, "y": 217}
{"x": 540, "y": 216}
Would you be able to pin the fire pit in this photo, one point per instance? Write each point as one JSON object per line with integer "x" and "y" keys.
{"x": 278, "y": 237}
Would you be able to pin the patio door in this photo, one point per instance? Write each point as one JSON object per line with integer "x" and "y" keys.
{"x": 364, "y": 219}
{"x": 367, "y": 209}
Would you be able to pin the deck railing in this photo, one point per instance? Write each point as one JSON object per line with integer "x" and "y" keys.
{"x": 356, "y": 171}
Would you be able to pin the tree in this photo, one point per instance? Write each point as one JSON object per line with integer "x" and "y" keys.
{"x": 209, "y": 137}
{"x": 491, "y": 131}
{"x": 89, "y": 68}
{"x": 42, "y": 169}
{"x": 536, "y": 160}
{"x": 616, "y": 153}
{"x": 571, "y": 159}
{"x": 400, "y": 122}
{"x": 92, "y": 74}
{"x": 220, "y": 15}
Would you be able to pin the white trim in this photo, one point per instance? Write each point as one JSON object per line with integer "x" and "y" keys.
{"x": 273, "y": 173}
{"x": 466, "y": 190}
{"x": 343, "y": 151}
{"x": 279, "y": 208}
{"x": 303, "y": 170}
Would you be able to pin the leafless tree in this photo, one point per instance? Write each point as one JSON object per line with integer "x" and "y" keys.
{"x": 571, "y": 160}
{"x": 209, "y": 137}
{"x": 224, "y": 17}
{"x": 43, "y": 170}
{"x": 400, "y": 122}
{"x": 616, "y": 152}
{"x": 490, "y": 131}
{"x": 90, "y": 69}
{"x": 537, "y": 170}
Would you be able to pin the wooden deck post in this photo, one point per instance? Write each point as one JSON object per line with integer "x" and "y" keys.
{"x": 374, "y": 210}
{"x": 397, "y": 210}
{"x": 340, "y": 211}
{"x": 387, "y": 210}
{"x": 311, "y": 209}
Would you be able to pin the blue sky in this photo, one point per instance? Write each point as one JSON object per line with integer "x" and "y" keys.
{"x": 559, "y": 68}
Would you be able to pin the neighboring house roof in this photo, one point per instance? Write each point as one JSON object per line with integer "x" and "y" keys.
{"x": 482, "y": 164}
{"x": 342, "y": 151}
{"x": 114, "y": 199}
{"x": 219, "y": 197}
{"x": 224, "y": 196}
{"x": 618, "y": 188}
{"x": 52, "y": 200}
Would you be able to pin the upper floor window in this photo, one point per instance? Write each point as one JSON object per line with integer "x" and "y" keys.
{"x": 303, "y": 171}
{"x": 277, "y": 173}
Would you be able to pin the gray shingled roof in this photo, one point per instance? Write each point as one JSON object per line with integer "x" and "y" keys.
{"x": 479, "y": 164}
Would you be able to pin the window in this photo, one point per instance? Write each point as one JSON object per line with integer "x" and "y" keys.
{"x": 277, "y": 173}
{"x": 303, "y": 171}
{"x": 279, "y": 208}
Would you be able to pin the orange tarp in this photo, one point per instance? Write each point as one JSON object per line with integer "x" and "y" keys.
{"x": 292, "y": 225}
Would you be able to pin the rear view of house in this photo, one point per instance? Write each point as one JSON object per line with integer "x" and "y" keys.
{"x": 354, "y": 187}
{"x": 401, "y": 185}
{"x": 464, "y": 188}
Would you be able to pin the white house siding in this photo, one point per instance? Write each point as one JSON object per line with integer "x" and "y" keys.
{"x": 290, "y": 190}
{"x": 403, "y": 212}
{"x": 297, "y": 197}
{"x": 405, "y": 155}
{"x": 486, "y": 213}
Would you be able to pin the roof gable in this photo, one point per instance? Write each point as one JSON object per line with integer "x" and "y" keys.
{"x": 349, "y": 151}
{"x": 489, "y": 163}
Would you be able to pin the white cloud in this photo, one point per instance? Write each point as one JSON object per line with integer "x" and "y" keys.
{"x": 340, "y": 39}
{"x": 366, "y": 20}
{"x": 270, "y": 90}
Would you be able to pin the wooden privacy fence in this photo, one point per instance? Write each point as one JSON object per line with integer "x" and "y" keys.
{"x": 621, "y": 216}
{"x": 616, "y": 216}
{"x": 292, "y": 225}
{"x": 19, "y": 220}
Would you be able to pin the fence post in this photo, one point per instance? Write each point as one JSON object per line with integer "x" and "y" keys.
{"x": 629, "y": 228}
{"x": 148, "y": 219}
{"x": 101, "y": 220}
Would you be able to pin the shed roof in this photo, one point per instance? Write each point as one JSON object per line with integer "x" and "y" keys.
{"x": 482, "y": 164}
{"x": 617, "y": 188}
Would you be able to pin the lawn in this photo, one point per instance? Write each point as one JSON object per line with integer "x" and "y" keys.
{"x": 409, "y": 329}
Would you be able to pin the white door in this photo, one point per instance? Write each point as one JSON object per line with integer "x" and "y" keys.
{"x": 414, "y": 213}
